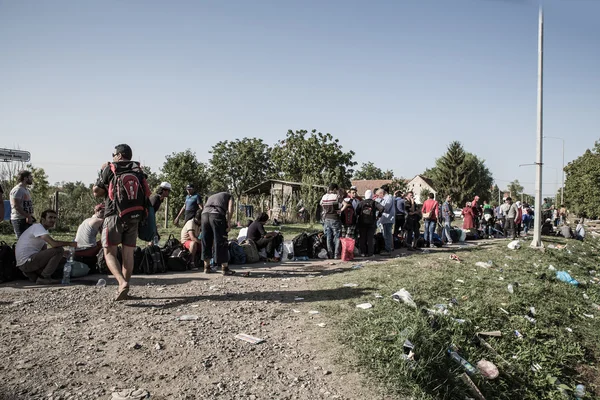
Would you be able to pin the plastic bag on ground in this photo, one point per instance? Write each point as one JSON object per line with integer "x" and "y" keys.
{"x": 79, "y": 269}
{"x": 347, "y": 249}
{"x": 515, "y": 244}
{"x": 565, "y": 277}
{"x": 322, "y": 254}
{"x": 402, "y": 295}
{"x": 288, "y": 251}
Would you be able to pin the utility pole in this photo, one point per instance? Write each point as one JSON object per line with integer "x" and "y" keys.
{"x": 537, "y": 241}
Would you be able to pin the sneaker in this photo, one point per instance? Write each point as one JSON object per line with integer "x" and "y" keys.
{"x": 450, "y": 242}
{"x": 32, "y": 276}
{"x": 363, "y": 255}
{"x": 227, "y": 271}
{"x": 431, "y": 246}
{"x": 46, "y": 281}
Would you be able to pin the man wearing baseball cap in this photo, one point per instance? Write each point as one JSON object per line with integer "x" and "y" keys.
{"x": 193, "y": 203}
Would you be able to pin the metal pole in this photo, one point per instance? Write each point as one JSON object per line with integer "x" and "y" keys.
{"x": 167, "y": 213}
{"x": 537, "y": 242}
{"x": 562, "y": 187}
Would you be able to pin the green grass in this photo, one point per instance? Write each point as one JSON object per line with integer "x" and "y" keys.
{"x": 375, "y": 338}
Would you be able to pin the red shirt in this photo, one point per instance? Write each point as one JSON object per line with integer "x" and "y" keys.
{"x": 431, "y": 206}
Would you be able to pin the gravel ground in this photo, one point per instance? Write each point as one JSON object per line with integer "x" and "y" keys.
{"x": 74, "y": 342}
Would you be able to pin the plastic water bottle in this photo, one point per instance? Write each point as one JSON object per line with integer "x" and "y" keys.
{"x": 510, "y": 288}
{"x": 471, "y": 370}
{"x": 67, "y": 268}
{"x": 155, "y": 240}
{"x": 579, "y": 391}
{"x": 101, "y": 283}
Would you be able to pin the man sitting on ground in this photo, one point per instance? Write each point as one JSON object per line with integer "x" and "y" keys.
{"x": 37, "y": 262}
{"x": 263, "y": 239}
{"x": 87, "y": 245}
{"x": 190, "y": 236}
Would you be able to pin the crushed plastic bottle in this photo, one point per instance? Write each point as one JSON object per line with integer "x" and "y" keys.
{"x": 101, "y": 283}
{"x": 565, "y": 277}
{"x": 551, "y": 268}
{"x": 510, "y": 288}
{"x": 454, "y": 356}
{"x": 579, "y": 392}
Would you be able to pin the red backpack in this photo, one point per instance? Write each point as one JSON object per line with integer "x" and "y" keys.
{"x": 129, "y": 191}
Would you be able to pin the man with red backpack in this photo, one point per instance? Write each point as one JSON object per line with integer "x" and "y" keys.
{"x": 123, "y": 184}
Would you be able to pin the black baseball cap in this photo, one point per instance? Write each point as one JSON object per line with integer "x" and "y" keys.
{"x": 190, "y": 186}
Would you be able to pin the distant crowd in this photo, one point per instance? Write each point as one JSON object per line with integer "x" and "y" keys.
{"x": 128, "y": 211}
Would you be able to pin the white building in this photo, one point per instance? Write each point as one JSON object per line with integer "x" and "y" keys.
{"x": 417, "y": 184}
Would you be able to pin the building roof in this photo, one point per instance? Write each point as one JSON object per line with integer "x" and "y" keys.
{"x": 369, "y": 184}
{"x": 265, "y": 187}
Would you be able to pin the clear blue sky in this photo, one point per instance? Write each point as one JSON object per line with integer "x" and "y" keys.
{"x": 396, "y": 81}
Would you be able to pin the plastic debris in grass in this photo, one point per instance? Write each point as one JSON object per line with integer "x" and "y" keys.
{"x": 350, "y": 285}
{"x": 454, "y": 356}
{"x": 487, "y": 369}
{"x": 187, "y": 318}
{"x": 514, "y": 245}
{"x": 321, "y": 325}
{"x": 565, "y": 277}
{"x": 313, "y": 312}
{"x": 482, "y": 264}
{"x": 364, "y": 306}
{"x": 490, "y": 333}
{"x": 454, "y": 257}
{"x": 357, "y": 266}
{"x": 249, "y": 339}
{"x": 402, "y": 295}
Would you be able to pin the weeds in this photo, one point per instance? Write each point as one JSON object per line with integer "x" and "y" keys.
{"x": 559, "y": 350}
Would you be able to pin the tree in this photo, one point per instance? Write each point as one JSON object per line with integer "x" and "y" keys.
{"x": 515, "y": 189}
{"x": 461, "y": 175}
{"x": 179, "y": 170}
{"x": 582, "y": 184}
{"x": 75, "y": 203}
{"x": 238, "y": 165}
{"x": 369, "y": 171}
{"x": 317, "y": 155}
{"x": 40, "y": 190}
{"x": 151, "y": 177}
{"x": 310, "y": 197}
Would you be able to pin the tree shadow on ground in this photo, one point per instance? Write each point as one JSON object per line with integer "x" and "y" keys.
{"x": 286, "y": 297}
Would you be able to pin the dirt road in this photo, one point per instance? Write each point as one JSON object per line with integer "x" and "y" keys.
{"x": 74, "y": 342}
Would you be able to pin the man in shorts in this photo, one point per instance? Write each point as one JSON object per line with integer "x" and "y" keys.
{"x": 119, "y": 230}
{"x": 189, "y": 236}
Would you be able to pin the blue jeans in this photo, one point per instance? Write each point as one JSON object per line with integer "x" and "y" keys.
{"x": 446, "y": 230}
{"x": 332, "y": 230}
{"x": 387, "y": 236}
{"x": 429, "y": 230}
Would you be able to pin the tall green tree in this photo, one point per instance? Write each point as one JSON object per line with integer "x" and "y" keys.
{"x": 151, "y": 177}
{"x": 582, "y": 184}
{"x": 240, "y": 164}
{"x": 461, "y": 175}
{"x": 515, "y": 189}
{"x": 40, "y": 190}
{"x": 179, "y": 170}
{"x": 318, "y": 155}
{"x": 370, "y": 171}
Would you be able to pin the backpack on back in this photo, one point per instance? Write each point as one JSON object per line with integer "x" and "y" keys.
{"x": 129, "y": 191}
{"x": 348, "y": 216}
{"x": 368, "y": 211}
{"x": 8, "y": 264}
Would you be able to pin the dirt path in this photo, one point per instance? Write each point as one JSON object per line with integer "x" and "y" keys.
{"x": 75, "y": 343}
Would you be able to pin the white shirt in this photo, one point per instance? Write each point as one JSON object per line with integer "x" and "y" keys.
{"x": 30, "y": 243}
{"x": 242, "y": 235}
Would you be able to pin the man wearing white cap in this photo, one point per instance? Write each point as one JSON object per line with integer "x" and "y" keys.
{"x": 157, "y": 198}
